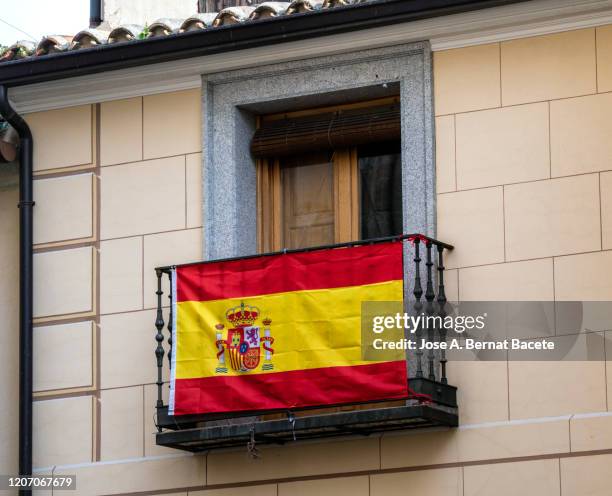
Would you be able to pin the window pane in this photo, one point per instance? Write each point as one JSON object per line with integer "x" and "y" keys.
{"x": 380, "y": 176}
{"x": 307, "y": 183}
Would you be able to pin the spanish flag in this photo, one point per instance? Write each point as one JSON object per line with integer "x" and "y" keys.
{"x": 282, "y": 331}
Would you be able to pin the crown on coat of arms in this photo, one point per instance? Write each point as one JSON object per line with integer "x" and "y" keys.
{"x": 243, "y": 315}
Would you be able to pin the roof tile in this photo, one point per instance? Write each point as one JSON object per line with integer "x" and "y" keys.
{"x": 303, "y": 6}
{"x": 164, "y": 27}
{"x": 233, "y": 15}
{"x": 89, "y": 37}
{"x": 19, "y": 50}
{"x": 125, "y": 32}
{"x": 198, "y": 21}
{"x": 269, "y": 9}
{"x": 53, "y": 44}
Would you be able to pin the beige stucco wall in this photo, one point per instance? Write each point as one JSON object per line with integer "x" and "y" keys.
{"x": 524, "y": 186}
{"x": 119, "y": 197}
{"x": 523, "y": 163}
{"x": 9, "y": 317}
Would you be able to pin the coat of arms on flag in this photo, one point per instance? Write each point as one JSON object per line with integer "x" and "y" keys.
{"x": 241, "y": 348}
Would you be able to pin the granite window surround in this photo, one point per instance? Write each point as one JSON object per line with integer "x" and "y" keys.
{"x": 232, "y": 100}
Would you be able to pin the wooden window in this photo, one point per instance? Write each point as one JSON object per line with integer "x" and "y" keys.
{"x": 327, "y": 192}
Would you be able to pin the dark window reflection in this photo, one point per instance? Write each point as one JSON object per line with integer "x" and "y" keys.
{"x": 380, "y": 174}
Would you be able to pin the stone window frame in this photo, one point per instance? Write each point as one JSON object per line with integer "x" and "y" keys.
{"x": 232, "y": 99}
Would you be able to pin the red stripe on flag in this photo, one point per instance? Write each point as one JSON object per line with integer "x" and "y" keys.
{"x": 294, "y": 389}
{"x": 333, "y": 268}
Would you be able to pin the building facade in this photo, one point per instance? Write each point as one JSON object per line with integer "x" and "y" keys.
{"x": 505, "y": 154}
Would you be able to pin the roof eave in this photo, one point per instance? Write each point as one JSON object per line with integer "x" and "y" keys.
{"x": 228, "y": 38}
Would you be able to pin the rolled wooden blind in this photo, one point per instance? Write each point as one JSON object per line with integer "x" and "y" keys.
{"x": 340, "y": 129}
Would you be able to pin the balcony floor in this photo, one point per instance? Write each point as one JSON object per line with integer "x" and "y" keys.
{"x": 281, "y": 431}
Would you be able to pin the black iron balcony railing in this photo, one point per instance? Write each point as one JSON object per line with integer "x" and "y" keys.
{"x": 431, "y": 402}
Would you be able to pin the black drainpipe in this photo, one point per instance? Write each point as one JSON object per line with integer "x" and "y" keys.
{"x": 95, "y": 13}
{"x": 26, "y": 205}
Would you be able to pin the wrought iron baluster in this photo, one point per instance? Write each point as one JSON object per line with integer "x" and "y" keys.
{"x": 159, "y": 337}
{"x": 429, "y": 310}
{"x": 418, "y": 305}
{"x": 170, "y": 322}
{"x": 442, "y": 312}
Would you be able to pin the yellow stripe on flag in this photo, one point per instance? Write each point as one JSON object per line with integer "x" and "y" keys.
{"x": 311, "y": 329}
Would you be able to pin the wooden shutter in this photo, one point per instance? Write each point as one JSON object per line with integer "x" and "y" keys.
{"x": 331, "y": 130}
